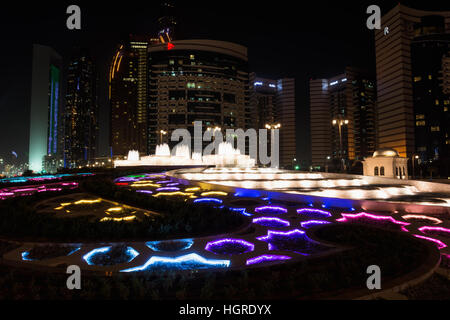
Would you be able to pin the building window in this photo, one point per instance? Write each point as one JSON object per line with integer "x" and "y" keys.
{"x": 396, "y": 171}
{"x": 435, "y": 129}
{"x": 420, "y": 116}
{"x": 382, "y": 171}
{"x": 420, "y": 123}
{"x": 375, "y": 171}
{"x": 417, "y": 79}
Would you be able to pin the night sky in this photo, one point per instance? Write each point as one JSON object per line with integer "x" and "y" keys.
{"x": 285, "y": 39}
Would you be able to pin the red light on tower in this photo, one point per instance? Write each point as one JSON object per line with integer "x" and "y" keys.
{"x": 170, "y": 46}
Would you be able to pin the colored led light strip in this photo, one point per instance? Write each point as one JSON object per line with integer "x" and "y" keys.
{"x": 307, "y": 224}
{"x": 168, "y": 189}
{"x": 207, "y": 200}
{"x": 426, "y": 230}
{"x": 210, "y": 245}
{"x": 439, "y": 243}
{"x": 187, "y": 244}
{"x": 271, "y": 208}
{"x": 25, "y": 255}
{"x": 422, "y": 217}
{"x": 87, "y": 257}
{"x": 346, "y": 217}
{"x": 242, "y": 211}
{"x": 144, "y": 191}
{"x": 266, "y": 258}
{"x": 213, "y": 193}
{"x": 269, "y": 220}
{"x": 314, "y": 212}
{"x": 272, "y": 233}
{"x": 189, "y": 258}
{"x": 192, "y": 189}
{"x": 176, "y": 193}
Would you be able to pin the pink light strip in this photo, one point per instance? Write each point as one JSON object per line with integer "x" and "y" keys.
{"x": 348, "y": 216}
{"x": 439, "y": 243}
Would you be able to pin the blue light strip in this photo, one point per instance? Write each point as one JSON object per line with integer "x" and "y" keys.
{"x": 189, "y": 258}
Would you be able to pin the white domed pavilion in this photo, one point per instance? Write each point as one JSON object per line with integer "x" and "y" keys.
{"x": 387, "y": 163}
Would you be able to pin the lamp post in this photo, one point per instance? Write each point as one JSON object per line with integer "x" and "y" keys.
{"x": 340, "y": 121}
{"x": 414, "y": 157}
{"x": 161, "y": 133}
{"x": 271, "y": 127}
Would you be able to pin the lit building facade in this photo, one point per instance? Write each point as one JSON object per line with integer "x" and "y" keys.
{"x": 272, "y": 103}
{"x": 196, "y": 80}
{"x": 128, "y": 97}
{"x": 81, "y": 115}
{"x": 430, "y": 50}
{"x": 46, "y": 116}
{"x": 395, "y": 78}
{"x": 343, "y": 118}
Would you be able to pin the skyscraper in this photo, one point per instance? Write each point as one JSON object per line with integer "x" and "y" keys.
{"x": 81, "y": 112}
{"x": 429, "y": 50}
{"x": 196, "y": 80}
{"x": 396, "y": 118}
{"x": 46, "y": 129}
{"x": 272, "y": 103}
{"x": 128, "y": 97}
{"x": 343, "y": 118}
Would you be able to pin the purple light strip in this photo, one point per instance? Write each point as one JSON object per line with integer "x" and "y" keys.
{"x": 271, "y": 208}
{"x": 144, "y": 191}
{"x": 271, "y": 233}
{"x": 265, "y": 258}
{"x": 346, "y": 217}
{"x": 261, "y": 221}
{"x": 308, "y": 212}
{"x": 168, "y": 189}
{"x": 164, "y": 181}
{"x": 307, "y": 224}
{"x": 210, "y": 245}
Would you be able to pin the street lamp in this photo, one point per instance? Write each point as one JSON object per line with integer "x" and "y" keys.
{"x": 340, "y": 121}
{"x": 161, "y": 133}
{"x": 414, "y": 157}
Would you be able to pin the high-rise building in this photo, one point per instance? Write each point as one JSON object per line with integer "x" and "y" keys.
{"x": 46, "y": 129}
{"x": 128, "y": 97}
{"x": 429, "y": 51}
{"x": 196, "y": 80}
{"x": 81, "y": 112}
{"x": 343, "y": 118}
{"x": 395, "y": 78}
{"x": 273, "y": 103}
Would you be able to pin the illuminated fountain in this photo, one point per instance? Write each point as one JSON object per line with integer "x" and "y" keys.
{"x": 227, "y": 156}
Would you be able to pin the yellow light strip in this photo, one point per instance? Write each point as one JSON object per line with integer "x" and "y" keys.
{"x": 214, "y": 193}
{"x": 129, "y": 218}
{"x": 176, "y": 193}
{"x": 192, "y": 189}
{"x": 115, "y": 209}
{"x": 87, "y": 201}
{"x": 146, "y": 185}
